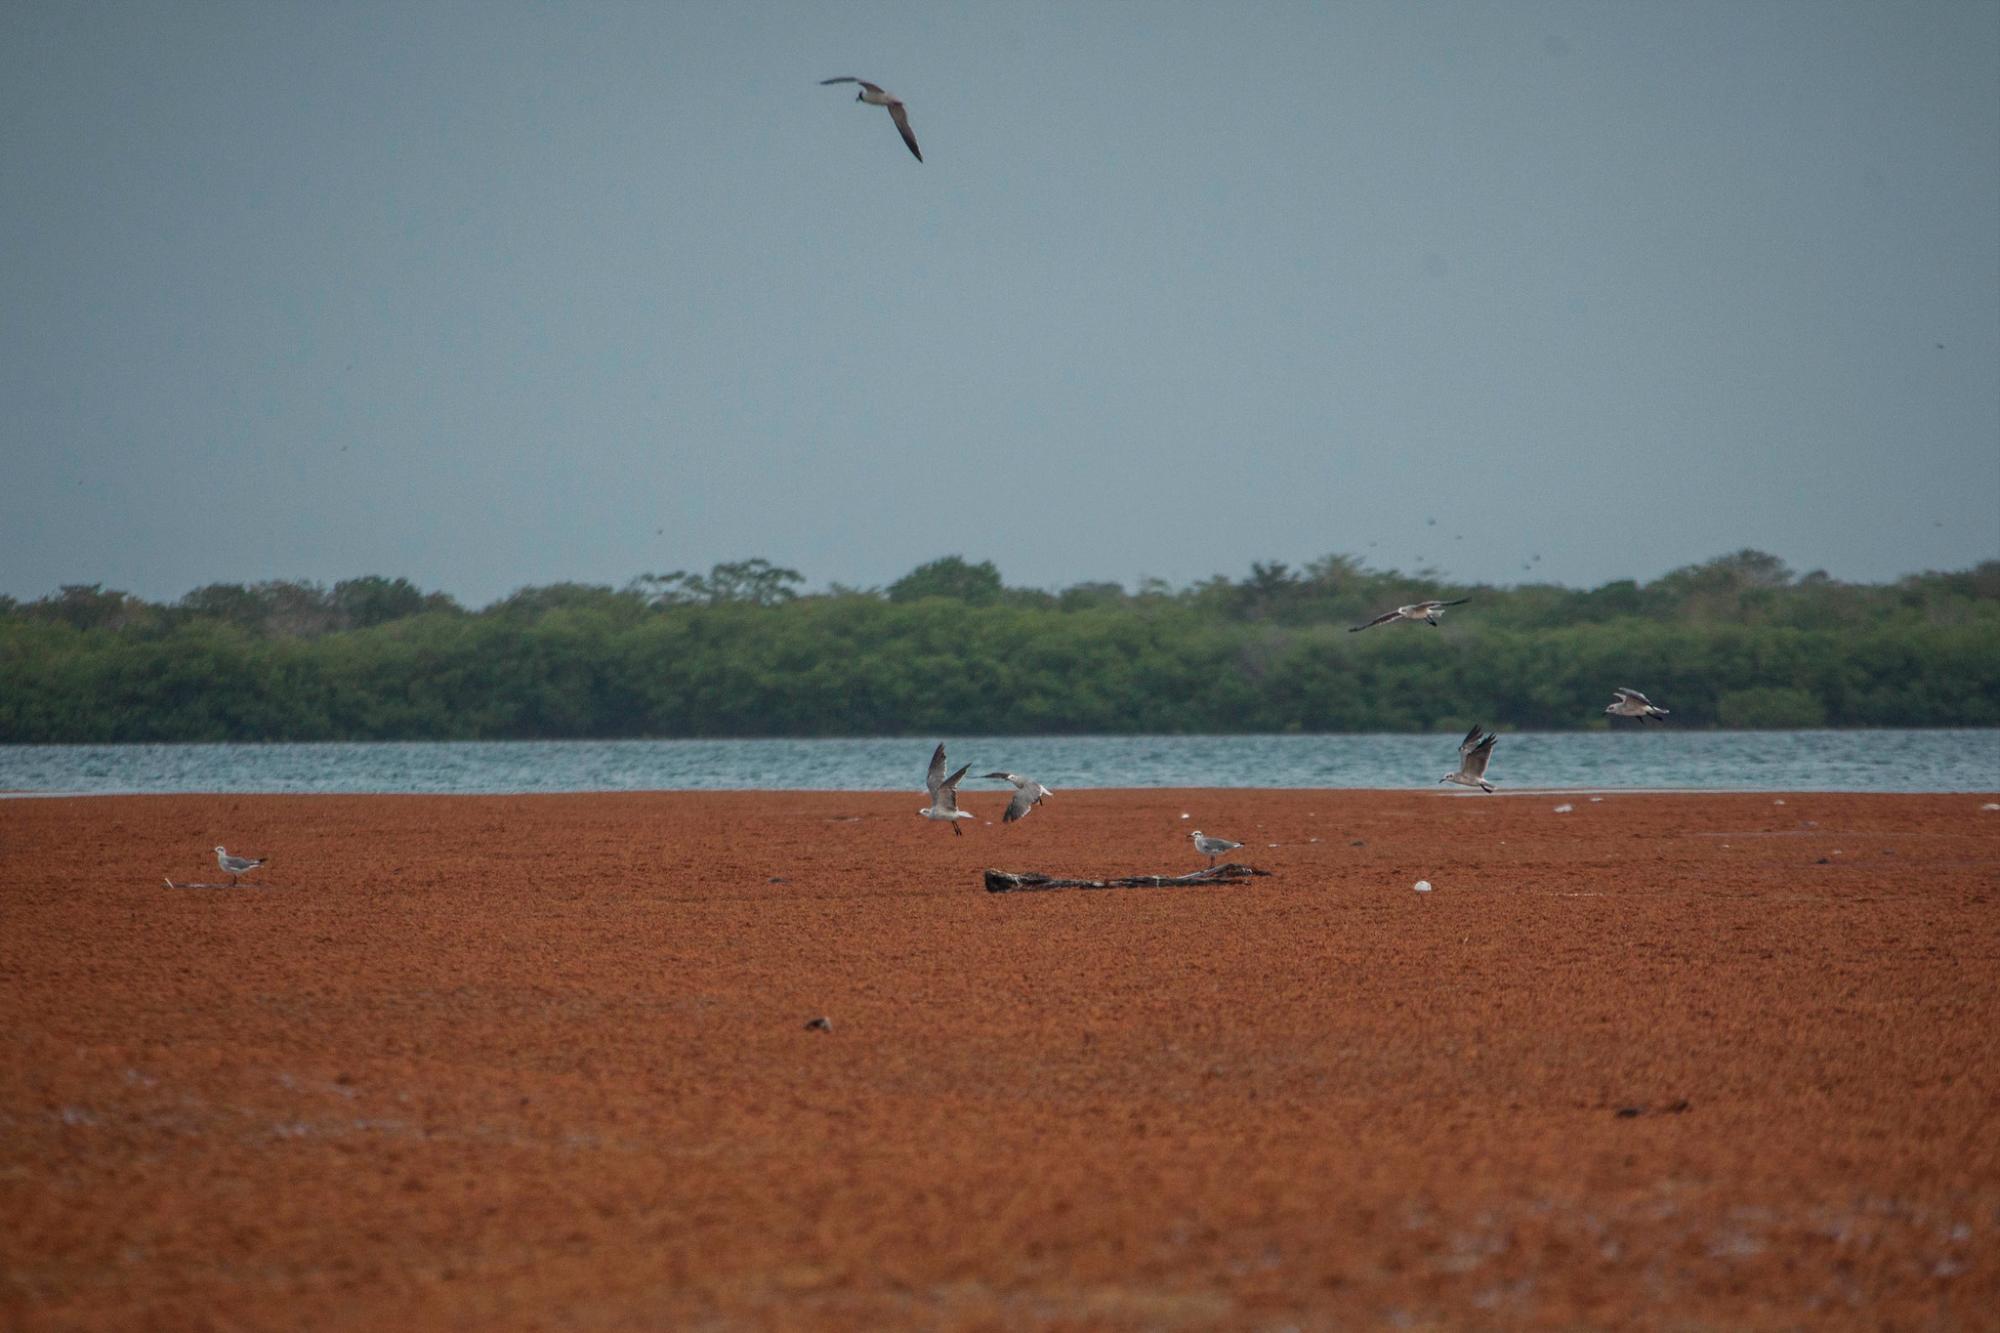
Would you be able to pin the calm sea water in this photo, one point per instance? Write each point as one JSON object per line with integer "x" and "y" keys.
{"x": 1658, "y": 757}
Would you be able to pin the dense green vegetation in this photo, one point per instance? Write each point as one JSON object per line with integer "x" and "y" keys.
{"x": 949, "y": 649}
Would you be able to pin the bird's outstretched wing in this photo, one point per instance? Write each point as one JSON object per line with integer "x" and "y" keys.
{"x": 1382, "y": 619}
{"x": 1027, "y": 795}
{"x": 934, "y": 779}
{"x": 1475, "y": 759}
{"x": 902, "y": 119}
{"x": 1471, "y": 739}
{"x": 1460, "y": 602}
{"x": 849, "y": 78}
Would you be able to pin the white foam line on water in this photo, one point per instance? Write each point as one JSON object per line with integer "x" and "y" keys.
{"x": 1455, "y": 794}
{"x": 75, "y": 795}
{"x": 1650, "y": 791}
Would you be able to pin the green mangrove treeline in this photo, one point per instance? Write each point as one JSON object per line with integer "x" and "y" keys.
{"x": 949, "y": 649}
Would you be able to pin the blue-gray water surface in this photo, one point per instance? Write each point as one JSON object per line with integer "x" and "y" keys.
{"x": 1657, "y": 757}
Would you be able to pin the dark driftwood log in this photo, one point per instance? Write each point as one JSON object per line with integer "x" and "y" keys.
{"x": 1006, "y": 881}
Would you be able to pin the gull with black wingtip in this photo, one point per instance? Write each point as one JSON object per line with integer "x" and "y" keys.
{"x": 1028, "y": 794}
{"x": 1428, "y": 612}
{"x": 1631, "y": 703}
{"x": 233, "y": 866}
{"x": 875, "y": 96}
{"x": 944, "y": 793}
{"x": 1473, "y": 753}
{"x": 1212, "y": 847}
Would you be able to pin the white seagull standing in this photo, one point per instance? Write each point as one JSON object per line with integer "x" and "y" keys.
{"x": 944, "y": 793}
{"x": 1027, "y": 795}
{"x": 1473, "y": 752}
{"x": 1428, "y": 612}
{"x": 1212, "y": 847}
{"x": 233, "y": 866}
{"x": 1631, "y": 703}
{"x": 875, "y": 96}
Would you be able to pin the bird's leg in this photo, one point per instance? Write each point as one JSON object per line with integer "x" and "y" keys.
{"x": 956, "y": 829}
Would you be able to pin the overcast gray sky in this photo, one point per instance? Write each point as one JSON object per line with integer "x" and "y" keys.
{"x": 497, "y": 294}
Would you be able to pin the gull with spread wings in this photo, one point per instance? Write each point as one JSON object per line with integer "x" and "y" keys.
{"x": 1028, "y": 794}
{"x": 875, "y": 96}
{"x": 1473, "y": 752}
{"x": 944, "y": 793}
{"x": 1631, "y": 703}
{"x": 1428, "y": 612}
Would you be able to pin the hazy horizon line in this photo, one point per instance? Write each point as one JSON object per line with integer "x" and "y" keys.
{"x": 1131, "y": 587}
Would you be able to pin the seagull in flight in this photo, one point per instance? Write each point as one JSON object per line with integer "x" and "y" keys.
{"x": 233, "y": 866}
{"x": 1631, "y": 703}
{"x": 1027, "y": 795}
{"x": 1428, "y": 612}
{"x": 875, "y": 96}
{"x": 1212, "y": 847}
{"x": 944, "y": 793}
{"x": 1473, "y": 752}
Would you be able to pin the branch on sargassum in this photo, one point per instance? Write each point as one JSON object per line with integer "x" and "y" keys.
{"x": 1008, "y": 881}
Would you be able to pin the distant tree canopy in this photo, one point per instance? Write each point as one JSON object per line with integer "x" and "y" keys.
{"x": 757, "y": 582}
{"x": 950, "y": 577}
{"x": 742, "y": 650}
{"x": 374, "y": 600}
